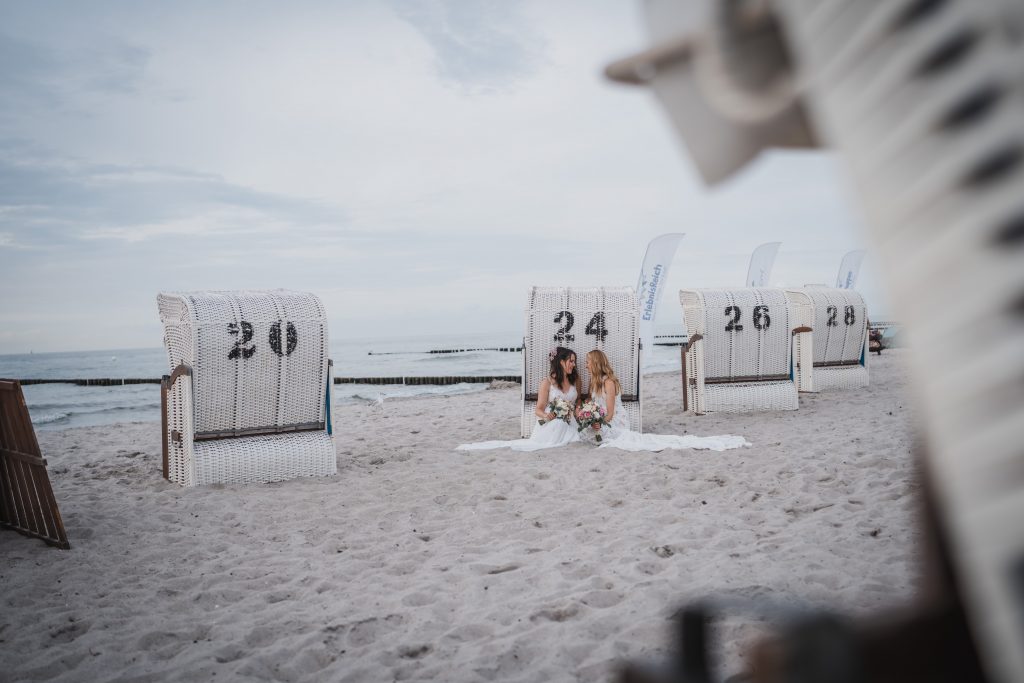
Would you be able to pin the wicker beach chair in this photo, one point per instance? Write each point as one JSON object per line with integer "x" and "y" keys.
{"x": 839, "y": 339}
{"x": 248, "y": 397}
{"x": 747, "y": 350}
{"x": 583, "y": 319}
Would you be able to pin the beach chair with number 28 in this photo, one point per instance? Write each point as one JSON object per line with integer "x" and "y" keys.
{"x": 248, "y": 396}
{"x": 840, "y": 338}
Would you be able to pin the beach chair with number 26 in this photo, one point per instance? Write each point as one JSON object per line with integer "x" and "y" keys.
{"x": 747, "y": 350}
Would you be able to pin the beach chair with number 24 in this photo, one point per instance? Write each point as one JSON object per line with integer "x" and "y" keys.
{"x": 583, "y": 319}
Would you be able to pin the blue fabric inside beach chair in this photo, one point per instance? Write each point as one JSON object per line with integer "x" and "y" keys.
{"x": 248, "y": 396}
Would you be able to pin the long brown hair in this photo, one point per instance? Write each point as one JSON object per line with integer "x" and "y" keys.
{"x": 600, "y": 372}
{"x": 557, "y": 374}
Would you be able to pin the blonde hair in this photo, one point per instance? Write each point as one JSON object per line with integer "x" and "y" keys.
{"x": 600, "y": 372}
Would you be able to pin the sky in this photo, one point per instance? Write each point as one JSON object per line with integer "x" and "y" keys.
{"x": 418, "y": 164}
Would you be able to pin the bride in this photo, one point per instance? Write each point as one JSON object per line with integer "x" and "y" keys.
{"x": 606, "y": 391}
{"x": 563, "y": 381}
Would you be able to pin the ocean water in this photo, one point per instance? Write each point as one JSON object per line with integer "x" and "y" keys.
{"x": 59, "y": 406}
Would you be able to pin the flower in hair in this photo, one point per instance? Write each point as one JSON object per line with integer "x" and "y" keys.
{"x": 552, "y": 353}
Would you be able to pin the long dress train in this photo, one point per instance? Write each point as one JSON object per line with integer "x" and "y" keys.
{"x": 548, "y": 435}
{"x": 618, "y": 435}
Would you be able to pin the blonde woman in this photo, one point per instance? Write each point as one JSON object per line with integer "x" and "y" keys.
{"x": 606, "y": 391}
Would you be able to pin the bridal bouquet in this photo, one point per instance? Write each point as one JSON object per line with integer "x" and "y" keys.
{"x": 561, "y": 408}
{"x": 588, "y": 415}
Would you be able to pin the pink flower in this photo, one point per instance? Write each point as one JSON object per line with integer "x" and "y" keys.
{"x": 586, "y": 414}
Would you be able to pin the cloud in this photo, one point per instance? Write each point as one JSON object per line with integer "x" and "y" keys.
{"x": 43, "y": 198}
{"x": 424, "y": 161}
{"x": 478, "y": 46}
{"x": 34, "y": 76}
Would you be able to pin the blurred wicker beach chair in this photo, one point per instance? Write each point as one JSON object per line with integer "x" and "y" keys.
{"x": 583, "y": 319}
{"x": 922, "y": 102}
{"x": 248, "y": 397}
{"x": 27, "y": 504}
{"x": 839, "y": 339}
{"x": 747, "y": 350}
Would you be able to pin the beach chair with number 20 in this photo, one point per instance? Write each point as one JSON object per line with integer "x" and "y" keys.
{"x": 248, "y": 396}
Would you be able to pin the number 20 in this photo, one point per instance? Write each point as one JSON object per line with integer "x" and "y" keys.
{"x": 243, "y": 329}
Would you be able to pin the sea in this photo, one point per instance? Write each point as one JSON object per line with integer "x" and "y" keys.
{"x": 59, "y": 406}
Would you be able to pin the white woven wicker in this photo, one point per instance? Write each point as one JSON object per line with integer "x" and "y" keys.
{"x": 840, "y": 337}
{"x": 741, "y": 354}
{"x": 944, "y": 195}
{"x": 572, "y": 317}
{"x": 924, "y": 104}
{"x": 253, "y": 403}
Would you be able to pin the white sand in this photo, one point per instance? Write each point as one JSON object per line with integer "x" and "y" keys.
{"x": 419, "y": 562}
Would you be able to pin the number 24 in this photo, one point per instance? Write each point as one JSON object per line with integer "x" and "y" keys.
{"x": 595, "y": 327}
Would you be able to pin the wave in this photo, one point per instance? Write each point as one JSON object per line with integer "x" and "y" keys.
{"x": 86, "y": 406}
{"x": 50, "y": 418}
{"x": 377, "y": 393}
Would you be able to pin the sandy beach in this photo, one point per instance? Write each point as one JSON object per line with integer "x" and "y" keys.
{"x": 418, "y": 562}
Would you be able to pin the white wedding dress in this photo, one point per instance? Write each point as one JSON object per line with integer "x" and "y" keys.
{"x": 618, "y": 435}
{"x": 548, "y": 435}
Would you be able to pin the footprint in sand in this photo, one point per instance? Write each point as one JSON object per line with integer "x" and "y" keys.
{"x": 275, "y": 598}
{"x": 370, "y": 630}
{"x": 413, "y": 651}
{"x": 490, "y": 569}
{"x": 70, "y": 631}
{"x": 470, "y": 632}
{"x": 262, "y": 636}
{"x": 153, "y": 640}
{"x": 417, "y": 599}
{"x": 229, "y": 654}
{"x": 650, "y": 568}
{"x": 556, "y": 613}
{"x": 601, "y": 599}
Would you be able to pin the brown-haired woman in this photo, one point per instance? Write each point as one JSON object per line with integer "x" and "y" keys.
{"x": 561, "y": 384}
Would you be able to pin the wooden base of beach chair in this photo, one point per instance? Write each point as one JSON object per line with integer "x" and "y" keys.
{"x": 27, "y": 504}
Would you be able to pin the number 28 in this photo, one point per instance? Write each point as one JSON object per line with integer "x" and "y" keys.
{"x": 849, "y": 316}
